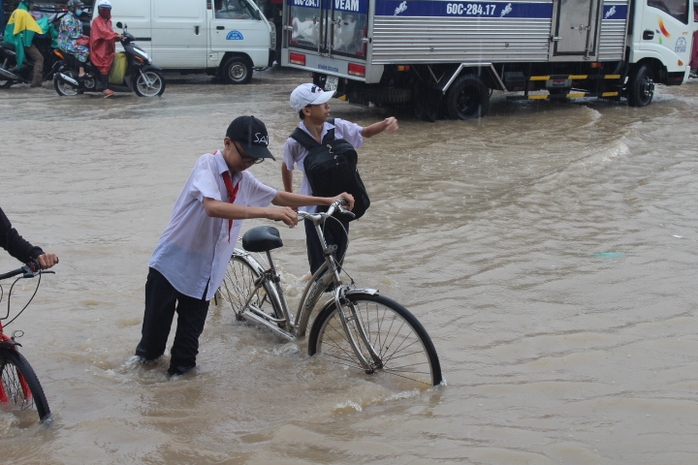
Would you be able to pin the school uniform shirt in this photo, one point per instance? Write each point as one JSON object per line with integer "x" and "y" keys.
{"x": 194, "y": 249}
{"x": 295, "y": 153}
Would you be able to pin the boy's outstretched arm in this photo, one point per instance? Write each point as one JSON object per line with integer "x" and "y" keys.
{"x": 389, "y": 124}
{"x": 290, "y": 199}
{"x": 225, "y": 210}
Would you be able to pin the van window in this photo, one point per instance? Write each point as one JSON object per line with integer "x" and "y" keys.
{"x": 234, "y": 9}
{"x": 676, "y": 8}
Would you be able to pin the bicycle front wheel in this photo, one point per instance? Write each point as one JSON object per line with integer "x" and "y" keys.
{"x": 240, "y": 286}
{"x": 20, "y": 388}
{"x": 408, "y": 359}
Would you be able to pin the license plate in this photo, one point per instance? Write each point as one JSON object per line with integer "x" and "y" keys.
{"x": 331, "y": 83}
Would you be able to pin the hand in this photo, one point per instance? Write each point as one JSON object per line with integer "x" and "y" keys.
{"x": 345, "y": 196}
{"x": 47, "y": 260}
{"x": 390, "y": 124}
{"x": 286, "y": 214}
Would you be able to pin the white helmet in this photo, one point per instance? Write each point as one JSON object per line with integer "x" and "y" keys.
{"x": 104, "y": 4}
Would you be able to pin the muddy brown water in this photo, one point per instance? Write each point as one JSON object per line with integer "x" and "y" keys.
{"x": 549, "y": 249}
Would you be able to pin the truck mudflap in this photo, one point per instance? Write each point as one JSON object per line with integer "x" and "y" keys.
{"x": 566, "y": 86}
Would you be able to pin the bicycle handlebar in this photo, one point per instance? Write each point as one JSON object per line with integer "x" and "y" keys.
{"x": 28, "y": 270}
{"x": 336, "y": 206}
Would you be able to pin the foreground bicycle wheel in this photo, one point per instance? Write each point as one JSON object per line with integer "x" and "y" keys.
{"x": 239, "y": 283}
{"x": 407, "y": 354}
{"x": 20, "y": 388}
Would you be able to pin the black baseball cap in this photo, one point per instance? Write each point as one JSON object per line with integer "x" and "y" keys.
{"x": 252, "y": 134}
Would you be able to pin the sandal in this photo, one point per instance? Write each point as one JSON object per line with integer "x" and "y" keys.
{"x": 108, "y": 93}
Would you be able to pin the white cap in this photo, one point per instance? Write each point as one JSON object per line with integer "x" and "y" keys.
{"x": 309, "y": 94}
{"x": 104, "y": 4}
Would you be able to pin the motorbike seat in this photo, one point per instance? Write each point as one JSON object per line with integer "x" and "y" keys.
{"x": 8, "y": 46}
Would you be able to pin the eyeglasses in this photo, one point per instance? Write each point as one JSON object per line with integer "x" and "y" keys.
{"x": 246, "y": 159}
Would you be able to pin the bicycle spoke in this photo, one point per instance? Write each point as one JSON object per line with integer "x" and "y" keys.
{"x": 407, "y": 358}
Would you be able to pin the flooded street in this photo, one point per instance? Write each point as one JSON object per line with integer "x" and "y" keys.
{"x": 550, "y": 250}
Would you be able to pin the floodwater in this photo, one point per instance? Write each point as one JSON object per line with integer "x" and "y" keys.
{"x": 550, "y": 249}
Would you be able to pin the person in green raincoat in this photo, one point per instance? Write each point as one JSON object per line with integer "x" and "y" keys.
{"x": 20, "y": 31}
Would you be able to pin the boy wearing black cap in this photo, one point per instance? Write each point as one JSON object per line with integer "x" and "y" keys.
{"x": 189, "y": 262}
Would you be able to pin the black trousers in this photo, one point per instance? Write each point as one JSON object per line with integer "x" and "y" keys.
{"x": 161, "y": 302}
{"x": 334, "y": 235}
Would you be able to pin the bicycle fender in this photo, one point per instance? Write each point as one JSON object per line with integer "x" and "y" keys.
{"x": 351, "y": 292}
{"x": 9, "y": 344}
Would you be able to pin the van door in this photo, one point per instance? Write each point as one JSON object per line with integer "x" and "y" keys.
{"x": 179, "y": 34}
{"x": 329, "y": 27}
{"x": 135, "y": 14}
{"x": 238, "y": 26}
{"x": 577, "y": 25}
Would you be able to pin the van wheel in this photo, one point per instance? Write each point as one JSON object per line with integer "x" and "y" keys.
{"x": 467, "y": 98}
{"x": 236, "y": 70}
{"x": 640, "y": 87}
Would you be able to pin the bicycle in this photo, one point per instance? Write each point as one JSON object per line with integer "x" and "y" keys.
{"x": 356, "y": 327}
{"x": 20, "y": 389}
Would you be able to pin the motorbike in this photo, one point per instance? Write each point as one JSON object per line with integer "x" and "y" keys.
{"x": 9, "y": 74}
{"x": 141, "y": 76}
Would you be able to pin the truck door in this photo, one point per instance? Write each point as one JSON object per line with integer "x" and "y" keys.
{"x": 329, "y": 27}
{"x": 576, "y": 28}
{"x": 667, "y": 29}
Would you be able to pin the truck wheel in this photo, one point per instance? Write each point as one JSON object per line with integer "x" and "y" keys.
{"x": 236, "y": 70}
{"x": 640, "y": 87}
{"x": 467, "y": 98}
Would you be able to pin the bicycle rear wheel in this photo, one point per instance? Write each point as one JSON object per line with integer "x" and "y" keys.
{"x": 407, "y": 354}
{"x": 240, "y": 282}
{"x": 20, "y": 388}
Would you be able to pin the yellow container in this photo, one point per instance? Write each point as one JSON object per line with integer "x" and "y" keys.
{"x": 118, "y": 69}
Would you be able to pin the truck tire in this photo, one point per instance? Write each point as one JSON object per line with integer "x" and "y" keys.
{"x": 640, "y": 87}
{"x": 467, "y": 98}
{"x": 236, "y": 70}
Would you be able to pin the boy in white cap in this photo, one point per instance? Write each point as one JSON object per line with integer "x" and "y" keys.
{"x": 190, "y": 260}
{"x": 311, "y": 103}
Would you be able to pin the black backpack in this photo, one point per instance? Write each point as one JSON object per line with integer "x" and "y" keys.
{"x": 331, "y": 168}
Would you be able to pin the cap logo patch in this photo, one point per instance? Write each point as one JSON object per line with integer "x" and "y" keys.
{"x": 261, "y": 139}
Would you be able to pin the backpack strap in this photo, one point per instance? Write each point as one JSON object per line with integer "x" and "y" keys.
{"x": 307, "y": 141}
{"x": 304, "y": 139}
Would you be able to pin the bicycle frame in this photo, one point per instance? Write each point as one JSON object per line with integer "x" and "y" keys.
{"x": 293, "y": 326}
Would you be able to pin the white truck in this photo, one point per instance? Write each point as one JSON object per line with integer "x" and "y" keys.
{"x": 228, "y": 38}
{"x": 444, "y": 57}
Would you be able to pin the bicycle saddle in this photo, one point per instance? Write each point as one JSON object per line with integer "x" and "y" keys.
{"x": 262, "y": 239}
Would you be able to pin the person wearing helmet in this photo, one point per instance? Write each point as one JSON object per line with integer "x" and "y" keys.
{"x": 70, "y": 37}
{"x": 20, "y": 31}
{"x": 103, "y": 43}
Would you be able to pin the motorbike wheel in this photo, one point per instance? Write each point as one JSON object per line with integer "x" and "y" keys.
{"x": 63, "y": 88}
{"x": 5, "y": 83}
{"x": 149, "y": 83}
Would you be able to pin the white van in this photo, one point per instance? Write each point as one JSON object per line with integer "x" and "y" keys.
{"x": 227, "y": 38}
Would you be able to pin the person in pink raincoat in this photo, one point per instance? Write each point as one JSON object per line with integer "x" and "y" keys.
{"x": 103, "y": 43}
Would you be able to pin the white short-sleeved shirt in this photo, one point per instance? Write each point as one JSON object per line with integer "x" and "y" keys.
{"x": 194, "y": 249}
{"x": 295, "y": 153}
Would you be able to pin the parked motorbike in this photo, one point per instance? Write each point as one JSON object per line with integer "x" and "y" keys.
{"x": 141, "y": 76}
{"x": 9, "y": 74}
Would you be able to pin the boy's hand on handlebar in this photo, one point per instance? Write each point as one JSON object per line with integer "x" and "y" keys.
{"x": 348, "y": 198}
{"x": 47, "y": 260}
{"x": 286, "y": 214}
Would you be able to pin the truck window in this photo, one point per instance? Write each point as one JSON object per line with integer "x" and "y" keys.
{"x": 233, "y": 9}
{"x": 676, "y": 8}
